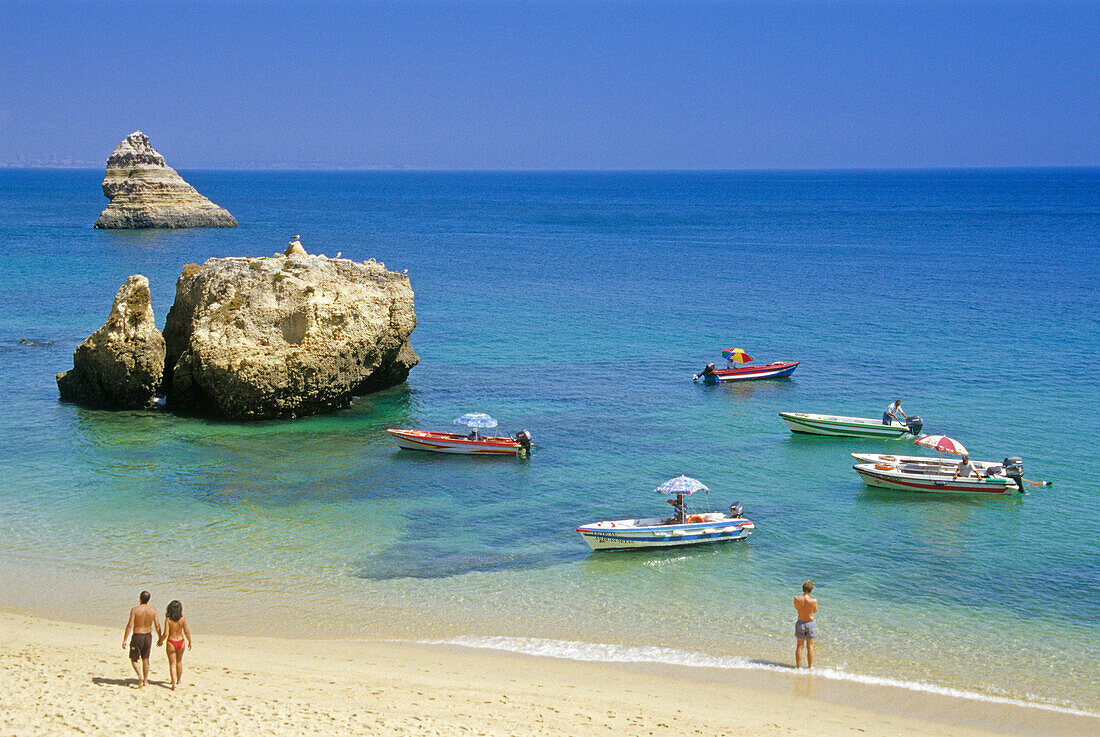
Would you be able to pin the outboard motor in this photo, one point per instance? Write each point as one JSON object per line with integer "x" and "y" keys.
{"x": 736, "y": 510}
{"x": 915, "y": 424}
{"x": 523, "y": 437}
{"x": 1014, "y": 469}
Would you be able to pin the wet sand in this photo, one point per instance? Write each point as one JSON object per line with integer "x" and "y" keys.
{"x": 59, "y": 678}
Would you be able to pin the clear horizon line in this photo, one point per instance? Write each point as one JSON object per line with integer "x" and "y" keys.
{"x": 564, "y": 170}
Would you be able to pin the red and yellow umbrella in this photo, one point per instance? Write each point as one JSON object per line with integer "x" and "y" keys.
{"x": 736, "y": 355}
{"x": 942, "y": 443}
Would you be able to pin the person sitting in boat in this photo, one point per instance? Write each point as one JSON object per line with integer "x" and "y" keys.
{"x": 679, "y": 511}
{"x": 891, "y": 414}
{"x": 964, "y": 469}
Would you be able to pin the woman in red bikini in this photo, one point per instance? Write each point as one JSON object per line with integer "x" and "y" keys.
{"x": 175, "y": 630}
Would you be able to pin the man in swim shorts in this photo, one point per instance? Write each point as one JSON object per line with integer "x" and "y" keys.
{"x": 805, "y": 629}
{"x": 143, "y": 618}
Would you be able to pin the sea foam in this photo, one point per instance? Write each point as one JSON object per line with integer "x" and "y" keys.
{"x": 607, "y": 653}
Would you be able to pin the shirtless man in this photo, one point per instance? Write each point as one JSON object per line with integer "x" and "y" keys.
{"x": 805, "y": 629}
{"x": 143, "y": 618}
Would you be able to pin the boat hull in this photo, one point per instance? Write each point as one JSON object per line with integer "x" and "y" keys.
{"x": 444, "y": 442}
{"x": 777, "y": 370}
{"x": 625, "y": 535}
{"x": 933, "y": 483}
{"x": 842, "y": 427}
{"x": 943, "y": 461}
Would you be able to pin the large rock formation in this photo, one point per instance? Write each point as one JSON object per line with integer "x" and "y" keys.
{"x": 259, "y": 338}
{"x": 121, "y": 365}
{"x": 147, "y": 193}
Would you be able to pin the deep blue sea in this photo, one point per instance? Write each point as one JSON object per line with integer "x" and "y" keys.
{"x": 579, "y": 305}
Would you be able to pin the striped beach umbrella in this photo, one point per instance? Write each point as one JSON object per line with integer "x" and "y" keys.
{"x": 476, "y": 420}
{"x": 681, "y": 485}
{"x": 942, "y": 443}
{"x": 736, "y": 355}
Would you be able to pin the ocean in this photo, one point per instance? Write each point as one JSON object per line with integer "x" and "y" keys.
{"x": 578, "y": 305}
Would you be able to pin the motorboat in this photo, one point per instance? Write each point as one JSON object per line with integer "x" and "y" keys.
{"x": 937, "y": 475}
{"x": 897, "y": 458}
{"x": 473, "y": 443}
{"x": 804, "y": 423}
{"x": 682, "y": 529}
{"x": 939, "y": 443}
{"x": 776, "y": 370}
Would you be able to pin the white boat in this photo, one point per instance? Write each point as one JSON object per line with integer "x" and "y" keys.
{"x": 937, "y": 475}
{"x": 682, "y": 529}
{"x": 805, "y": 423}
{"x": 896, "y": 458}
{"x": 654, "y": 532}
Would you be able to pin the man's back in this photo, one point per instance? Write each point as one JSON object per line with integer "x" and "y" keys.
{"x": 805, "y": 605}
{"x": 143, "y": 616}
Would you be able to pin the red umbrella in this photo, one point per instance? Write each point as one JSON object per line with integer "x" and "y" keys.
{"x": 942, "y": 443}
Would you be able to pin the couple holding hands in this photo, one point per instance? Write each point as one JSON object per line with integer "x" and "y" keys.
{"x": 143, "y": 619}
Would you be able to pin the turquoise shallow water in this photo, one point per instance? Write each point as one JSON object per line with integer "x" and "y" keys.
{"x": 579, "y": 305}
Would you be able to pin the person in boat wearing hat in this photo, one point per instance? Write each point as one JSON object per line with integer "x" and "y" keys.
{"x": 892, "y": 412}
{"x": 964, "y": 469}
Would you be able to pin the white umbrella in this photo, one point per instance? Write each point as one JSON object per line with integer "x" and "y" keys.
{"x": 681, "y": 485}
{"x": 478, "y": 420}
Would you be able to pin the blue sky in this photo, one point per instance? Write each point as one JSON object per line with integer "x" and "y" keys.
{"x": 555, "y": 85}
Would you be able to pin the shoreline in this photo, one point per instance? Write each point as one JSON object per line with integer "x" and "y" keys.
{"x": 103, "y": 600}
{"x": 296, "y": 686}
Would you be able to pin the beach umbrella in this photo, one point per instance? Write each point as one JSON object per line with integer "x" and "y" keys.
{"x": 476, "y": 420}
{"x": 681, "y": 485}
{"x": 942, "y": 443}
{"x": 736, "y": 355}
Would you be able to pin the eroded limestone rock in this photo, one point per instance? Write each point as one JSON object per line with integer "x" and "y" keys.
{"x": 121, "y": 365}
{"x": 147, "y": 193}
{"x": 289, "y": 335}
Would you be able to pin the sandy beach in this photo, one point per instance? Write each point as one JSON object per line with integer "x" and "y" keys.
{"x": 60, "y": 678}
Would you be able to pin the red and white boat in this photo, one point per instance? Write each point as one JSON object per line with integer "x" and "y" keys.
{"x": 471, "y": 444}
{"x": 940, "y": 475}
{"x": 474, "y": 443}
{"x": 776, "y": 370}
{"x": 939, "y": 478}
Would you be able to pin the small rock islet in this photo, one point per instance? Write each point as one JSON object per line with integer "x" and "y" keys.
{"x": 147, "y": 193}
{"x": 254, "y": 338}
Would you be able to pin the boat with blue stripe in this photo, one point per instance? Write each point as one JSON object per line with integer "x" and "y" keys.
{"x": 683, "y": 528}
{"x": 654, "y": 532}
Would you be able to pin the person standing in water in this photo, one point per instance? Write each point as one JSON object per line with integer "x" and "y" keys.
{"x": 175, "y": 630}
{"x": 805, "y": 629}
{"x": 143, "y": 618}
